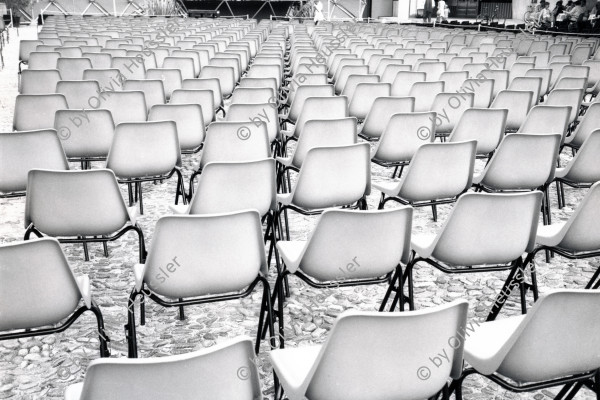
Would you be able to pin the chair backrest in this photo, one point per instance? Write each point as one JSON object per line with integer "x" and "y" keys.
{"x": 256, "y": 114}
{"x": 214, "y": 371}
{"x": 588, "y": 123}
{"x": 38, "y": 287}
{"x": 333, "y": 176}
{"x": 571, "y": 83}
{"x": 375, "y": 241}
{"x": 332, "y": 107}
{"x": 364, "y": 96}
{"x": 404, "y": 81}
{"x": 215, "y": 253}
{"x": 305, "y": 92}
{"x": 153, "y": 89}
{"x": 489, "y": 228}
{"x": 170, "y": 77}
{"x": 584, "y": 167}
{"x": 518, "y": 103}
{"x": 39, "y": 81}
{"x": 130, "y": 67}
{"x": 125, "y": 106}
{"x": 439, "y": 171}
{"x": 485, "y": 125}
{"x": 252, "y": 95}
{"x": 188, "y": 119}
{"x": 404, "y": 134}
{"x": 78, "y": 93}
{"x": 42, "y": 106}
{"x": 235, "y": 186}
{"x": 364, "y": 332}
{"x": 546, "y": 120}
{"x": 183, "y": 64}
{"x": 84, "y": 133}
{"x": 425, "y": 94}
{"x": 500, "y": 78}
{"x": 202, "y": 97}
{"x": 26, "y": 47}
{"x": 565, "y": 316}
{"x": 581, "y": 232}
{"x": 89, "y": 202}
{"x": 71, "y": 69}
{"x": 566, "y": 97}
{"x": 523, "y": 161}
{"x": 449, "y": 108}
{"x": 42, "y": 60}
{"x": 23, "y": 151}
{"x": 324, "y": 133}
{"x": 144, "y": 149}
{"x": 532, "y": 84}
{"x": 225, "y": 75}
{"x": 206, "y": 84}
{"x": 545, "y": 74}
{"x": 235, "y": 142}
{"x": 382, "y": 110}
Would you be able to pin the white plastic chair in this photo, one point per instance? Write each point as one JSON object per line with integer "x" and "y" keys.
{"x": 39, "y": 291}
{"x": 338, "y": 369}
{"x": 520, "y": 353}
{"x": 216, "y": 372}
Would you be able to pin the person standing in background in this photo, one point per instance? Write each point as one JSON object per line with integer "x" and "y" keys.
{"x": 319, "y": 12}
{"x": 427, "y": 10}
{"x": 442, "y": 12}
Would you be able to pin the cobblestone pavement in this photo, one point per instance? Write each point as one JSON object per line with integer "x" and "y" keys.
{"x": 41, "y": 367}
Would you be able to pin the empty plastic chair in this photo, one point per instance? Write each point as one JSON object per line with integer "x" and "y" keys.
{"x": 380, "y": 113}
{"x": 71, "y": 69}
{"x": 39, "y": 291}
{"x": 78, "y": 93}
{"x": 153, "y": 89}
{"x": 225, "y": 259}
{"x": 39, "y": 81}
{"x": 23, "y": 151}
{"x": 307, "y": 372}
{"x": 189, "y": 121}
{"x": 484, "y": 125}
{"x": 146, "y": 151}
{"x": 518, "y": 103}
{"x": 88, "y": 208}
{"x": 437, "y": 174}
{"x": 171, "y": 79}
{"x": 522, "y": 349}
{"x": 43, "y": 106}
{"x": 485, "y": 231}
{"x": 200, "y": 371}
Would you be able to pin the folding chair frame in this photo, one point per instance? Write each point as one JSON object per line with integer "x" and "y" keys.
{"x": 102, "y": 337}
{"x": 134, "y": 187}
{"x": 572, "y": 384}
{"x": 130, "y": 330}
{"x": 97, "y": 239}
{"x": 513, "y": 279}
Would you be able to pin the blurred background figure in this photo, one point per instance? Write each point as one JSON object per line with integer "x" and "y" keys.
{"x": 427, "y": 10}
{"x": 318, "y": 12}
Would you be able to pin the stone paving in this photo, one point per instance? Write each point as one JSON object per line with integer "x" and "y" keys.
{"x": 42, "y": 367}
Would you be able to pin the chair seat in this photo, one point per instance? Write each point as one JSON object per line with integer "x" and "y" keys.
{"x": 483, "y": 345}
{"x": 477, "y": 178}
{"x": 287, "y": 133}
{"x": 560, "y": 172}
{"x": 284, "y": 198}
{"x": 423, "y": 244}
{"x": 549, "y": 235}
{"x": 179, "y": 209}
{"x": 389, "y": 188}
{"x": 291, "y": 252}
{"x": 73, "y": 392}
{"x": 287, "y": 161}
{"x": 292, "y": 365}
